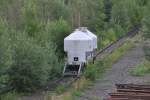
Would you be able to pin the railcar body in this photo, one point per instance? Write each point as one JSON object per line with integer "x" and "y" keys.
{"x": 79, "y": 47}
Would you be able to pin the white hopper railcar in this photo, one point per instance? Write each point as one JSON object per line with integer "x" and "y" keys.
{"x": 94, "y": 39}
{"x": 78, "y": 45}
{"x": 89, "y": 33}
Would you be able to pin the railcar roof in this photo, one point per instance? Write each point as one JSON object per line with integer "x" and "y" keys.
{"x": 78, "y": 35}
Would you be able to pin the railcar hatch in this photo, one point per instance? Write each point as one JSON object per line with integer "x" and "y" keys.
{"x": 72, "y": 70}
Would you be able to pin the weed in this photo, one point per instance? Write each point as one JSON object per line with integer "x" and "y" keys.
{"x": 94, "y": 70}
{"x": 91, "y": 72}
{"x": 60, "y": 89}
{"x": 141, "y": 69}
{"x": 48, "y": 96}
{"x": 10, "y": 96}
{"x": 76, "y": 93}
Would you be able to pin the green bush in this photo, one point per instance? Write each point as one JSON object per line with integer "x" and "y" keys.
{"x": 76, "y": 93}
{"x": 91, "y": 72}
{"x": 5, "y": 55}
{"x": 56, "y": 32}
{"x": 31, "y": 24}
{"x": 10, "y": 96}
{"x": 29, "y": 69}
{"x": 24, "y": 61}
{"x": 119, "y": 31}
{"x": 60, "y": 89}
{"x": 3, "y": 26}
{"x": 147, "y": 52}
{"x": 141, "y": 69}
{"x": 99, "y": 67}
{"x": 55, "y": 64}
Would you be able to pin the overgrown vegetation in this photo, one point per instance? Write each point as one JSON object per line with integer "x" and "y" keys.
{"x": 146, "y": 29}
{"x": 92, "y": 72}
{"x": 32, "y": 33}
{"x": 10, "y": 96}
{"x": 141, "y": 69}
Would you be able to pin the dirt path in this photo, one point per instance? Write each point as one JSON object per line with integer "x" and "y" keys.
{"x": 119, "y": 73}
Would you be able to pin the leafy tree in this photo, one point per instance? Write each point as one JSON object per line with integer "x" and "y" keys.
{"x": 146, "y": 22}
{"x": 134, "y": 12}
{"x": 107, "y": 9}
{"x": 147, "y": 51}
{"x": 56, "y": 32}
{"x": 100, "y": 17}
{"x": 146, "y": 28}
{"x": 119, "y": 31}
{"x": 30, "y": 65}
{"x": 119, "y": 14}
{"x": 31, "y": 37}
{"x": 125, "y": 14}
{"x": 5, "y": 54}
{"x": 23, "y": 63}
{"x": 142, "y": 2}
{"x": 3, "y": 5}
{"x": 50, "y": 10}
{"x": 31, "y": 22}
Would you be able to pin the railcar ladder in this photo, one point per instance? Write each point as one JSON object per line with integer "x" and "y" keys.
{"x": 72, "y": 70}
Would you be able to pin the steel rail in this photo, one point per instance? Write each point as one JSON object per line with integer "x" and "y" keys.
{"x": 63, "y": 80}
{"x": 131, "y": 32}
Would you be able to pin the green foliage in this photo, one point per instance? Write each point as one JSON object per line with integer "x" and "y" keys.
{"x": 57, "y": 31}
{"x": 4, "y": 83}
{"x": 141, "y": 69}
{"x": 32, "y": 33}
{"x": 95, "y": 17}
{"x": 91, "y": 72}
{"x": 60, "y": 89}
{"x": 119, "y": 14}
{"x": 54, "y": 9}
{"x": 10, "y": 96}
{"x": 119, "y": 31}
{"x": 3, "y": 27}
{"x": 146, "y": 20}
{"x": 98, "y": 68}
{"x": 55, "y": 64}
{"x": 107, "y": 8}
{"x": 146, "y": 49}
{"x": 29, "y": 67}
{"x": 134, "y": 12}
{"x": 110, "y": 35}
{"x": 106, "y": 37}
{"x": 126, "y": 13}
{"x": 5, "y": 55}
{"x": 31, "y": 21}
{"x": 142, "y": 2}
{"x": 146, "y": 28}
{"x": 24, "y": 63}
{"x": 76, "y": 93}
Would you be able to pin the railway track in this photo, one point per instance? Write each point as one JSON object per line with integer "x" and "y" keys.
{"x": 130, "y": 92}
{"x": 109, "y": 48}
{"x": 64, "y": 81}
{"x": 67, "y": 81}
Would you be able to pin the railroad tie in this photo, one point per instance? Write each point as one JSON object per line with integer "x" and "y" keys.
{"x": 130, "y": 92}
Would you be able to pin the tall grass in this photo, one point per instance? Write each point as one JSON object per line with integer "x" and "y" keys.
{"x": 141, "y": 69}
{"x": 95, "y": 70}
{"x": 92, "y": 72}
{"x": 10, "y": 96}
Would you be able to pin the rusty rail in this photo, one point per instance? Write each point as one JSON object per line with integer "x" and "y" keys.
{"x": 130, "y": 92}
{"x": 132, "y": 31}
{"x": 52, "y": 85}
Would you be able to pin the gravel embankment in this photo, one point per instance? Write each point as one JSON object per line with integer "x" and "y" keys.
{"x": 119, "y": 73}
